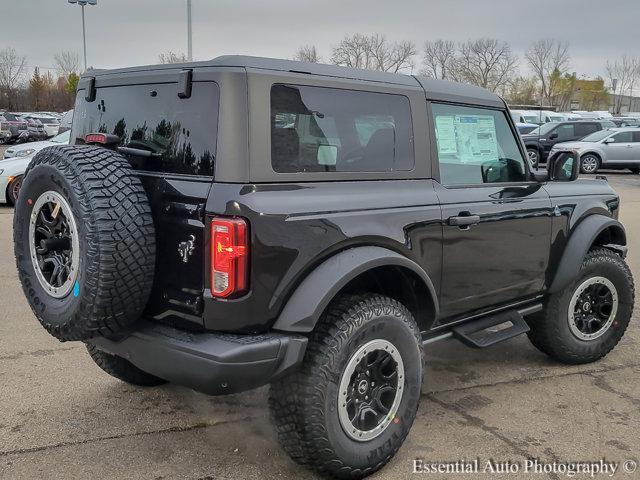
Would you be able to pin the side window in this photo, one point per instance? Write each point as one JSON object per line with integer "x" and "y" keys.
{"x": 476, "y": 146}
{"x": 317, "y": 129}
{"x": 565, "y": 132}
{"x": 623, "y": 137}
{"x": 636, "y": 137}
{"x": 584, "y": 129}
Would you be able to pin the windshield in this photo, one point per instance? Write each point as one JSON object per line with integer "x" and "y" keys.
{"x": 62, "y": 138}
{"x": 543, "y": 129}
{"x": 596, "y": 136}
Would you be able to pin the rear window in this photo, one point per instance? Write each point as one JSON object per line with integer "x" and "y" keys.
{"x": 181, "y": 133}
{"x": 317, "y": 129}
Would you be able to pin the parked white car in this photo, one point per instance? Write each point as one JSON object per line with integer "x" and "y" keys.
{"x": 524, "y": 116}
{"x": 16, "y": 160}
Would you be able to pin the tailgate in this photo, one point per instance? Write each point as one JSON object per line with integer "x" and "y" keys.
{"x": 178, "y": 214}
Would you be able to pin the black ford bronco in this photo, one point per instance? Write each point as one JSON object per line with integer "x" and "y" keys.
{"x": 229, "y": 224}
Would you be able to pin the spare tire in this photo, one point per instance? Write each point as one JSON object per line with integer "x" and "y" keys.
{"x": 84, "y": 242}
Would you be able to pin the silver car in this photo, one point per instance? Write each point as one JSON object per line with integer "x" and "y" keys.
{"x": 612, "y": 148}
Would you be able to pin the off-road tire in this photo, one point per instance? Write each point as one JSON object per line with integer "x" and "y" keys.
{"x": 116, "y": 241}
{"x": 550, "y": 332}
{"x": 122, "y": 369}
{"x": 304, "y": 404}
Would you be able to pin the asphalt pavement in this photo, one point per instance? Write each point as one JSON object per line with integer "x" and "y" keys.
{"x": 62, "y": 417}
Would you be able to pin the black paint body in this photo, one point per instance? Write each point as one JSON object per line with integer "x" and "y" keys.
{"x": 298, "y": 221}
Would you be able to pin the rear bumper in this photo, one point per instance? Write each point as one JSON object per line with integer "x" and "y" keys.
{"x": 212, "y": 363}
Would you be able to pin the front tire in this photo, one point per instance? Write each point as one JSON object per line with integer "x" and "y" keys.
{"x": 348, "y": 409}
{"x": 583, "y": 322}
{"x": 589, "y": 164}
{"x": 13, "y": 189}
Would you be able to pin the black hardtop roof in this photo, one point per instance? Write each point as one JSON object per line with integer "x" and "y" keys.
{"x": 436, "y": 89}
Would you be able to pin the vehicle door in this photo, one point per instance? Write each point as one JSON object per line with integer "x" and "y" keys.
{"x": 562, "y": 133}
{"x": 635, "y": 149}
{"x": 619, "y": 147}
{"x": 496, "y": 219}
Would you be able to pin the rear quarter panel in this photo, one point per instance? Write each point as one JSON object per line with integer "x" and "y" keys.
{"x": 294, "y": 227}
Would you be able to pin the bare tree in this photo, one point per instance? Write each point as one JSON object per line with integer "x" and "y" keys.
{"x": 486, "y": 62}
{"x": 546, "y": 57}
{"x": 172, "y": 57}
{"x": 308, "y": 53}
{"x": 374, "y": 52}
{"x": 67, "y": 63}
{"x": 12, "y": 69}
{"x": 438, "y": 58}
{"x": 626, "y": 71}
{"x": 521, "y": 91}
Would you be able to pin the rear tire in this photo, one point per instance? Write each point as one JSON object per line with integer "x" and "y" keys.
{"x": 534, "y": 156}
{"x": 567, "y": 332}
{"x": 312, "y": 408}
{"x": 122, "y": 369}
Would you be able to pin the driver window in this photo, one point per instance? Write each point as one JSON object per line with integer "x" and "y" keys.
{"x": 476, "y": 146}
{"x": 623, "y": 137}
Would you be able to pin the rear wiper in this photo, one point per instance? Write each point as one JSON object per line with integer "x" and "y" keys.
{"x": 138, "y": 152}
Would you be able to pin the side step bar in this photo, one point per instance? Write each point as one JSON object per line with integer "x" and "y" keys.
{"x": 490, "y": 330}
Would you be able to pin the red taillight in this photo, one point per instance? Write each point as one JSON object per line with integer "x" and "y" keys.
{"x": 229, "y": 256}
{"x": 101, "y": 138}
{"x": 96, "y": 138}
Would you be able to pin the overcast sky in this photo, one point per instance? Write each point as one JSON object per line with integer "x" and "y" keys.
{"x": 134, "y": 32}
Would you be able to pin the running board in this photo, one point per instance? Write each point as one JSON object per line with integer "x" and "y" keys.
{"x": 490, "y": 330}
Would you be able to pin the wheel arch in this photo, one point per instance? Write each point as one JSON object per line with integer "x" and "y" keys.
{"x": 371, "y": 269}
{"x": 595, "y": 230}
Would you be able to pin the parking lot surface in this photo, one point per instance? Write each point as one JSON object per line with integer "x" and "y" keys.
{"x": 62, "y": 417}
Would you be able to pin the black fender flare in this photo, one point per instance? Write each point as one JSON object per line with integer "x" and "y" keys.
{"x": 580, "y": 241}
{"x": 310, "y": 299}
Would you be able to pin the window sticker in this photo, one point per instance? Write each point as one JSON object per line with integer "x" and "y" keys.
{"x": 472, "y": 138}
{"x": 446, "y": 135}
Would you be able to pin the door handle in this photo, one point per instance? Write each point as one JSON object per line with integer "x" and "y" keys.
{"x": 464, "y": 221}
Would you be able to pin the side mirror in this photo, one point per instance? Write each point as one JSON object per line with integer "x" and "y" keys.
{"x": 553, "y": 136}
{"x": 609, "y": 140}
{"x": 563, "y": 166}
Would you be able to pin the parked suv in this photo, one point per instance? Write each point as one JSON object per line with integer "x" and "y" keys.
{"x": 613, "y": 148}
{"x": 539, "y": 142}
{"x": 244, "y": 221}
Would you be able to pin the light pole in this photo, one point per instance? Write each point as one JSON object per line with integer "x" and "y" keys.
{"x": 82, "y": 3}
{"x": 614, "y": 84}
{"x": 189, "y": 33}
